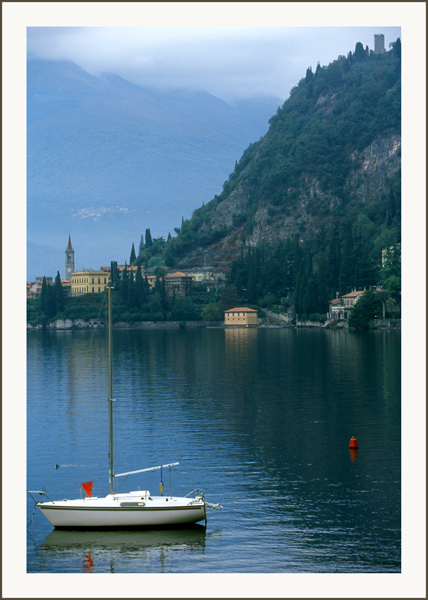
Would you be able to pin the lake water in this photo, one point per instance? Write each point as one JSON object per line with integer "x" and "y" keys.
{"x": 260, "y": 419}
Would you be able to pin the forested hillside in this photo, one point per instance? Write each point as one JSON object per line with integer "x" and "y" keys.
{"x": 309, "y": 207}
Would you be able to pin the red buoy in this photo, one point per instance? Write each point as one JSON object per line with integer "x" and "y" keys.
{"x": 353, "y": 443}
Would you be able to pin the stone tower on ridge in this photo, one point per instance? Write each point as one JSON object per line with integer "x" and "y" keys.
{"x": 69, "y": 260}
{"x": 379, "y": 43}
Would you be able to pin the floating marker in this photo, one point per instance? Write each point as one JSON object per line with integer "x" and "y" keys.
{"x": 353, "y": 443}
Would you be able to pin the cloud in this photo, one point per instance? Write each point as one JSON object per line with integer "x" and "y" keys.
{"x": 228, "y": 62}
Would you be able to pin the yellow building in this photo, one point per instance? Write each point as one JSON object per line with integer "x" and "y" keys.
{"x": 89, "y": 282}
{"x": 240, "y": 317}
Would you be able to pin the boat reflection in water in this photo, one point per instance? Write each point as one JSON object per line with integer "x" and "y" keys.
{"x": 94, "y": 548}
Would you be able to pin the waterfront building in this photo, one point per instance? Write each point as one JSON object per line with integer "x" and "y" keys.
{"x": 240, "y": 317}
{"x": 341, "y": 308}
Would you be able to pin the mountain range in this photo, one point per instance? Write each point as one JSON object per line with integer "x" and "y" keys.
{"x": 107, "y": 159}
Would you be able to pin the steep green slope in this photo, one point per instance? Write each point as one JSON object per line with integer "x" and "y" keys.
{"x": 323, "y": 184}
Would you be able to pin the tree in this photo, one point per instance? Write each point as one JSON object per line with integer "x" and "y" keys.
{"x": 185, "y": 310}
{"x": 132, "y": 292}
{"x": 212, "y": 312}
{"x": 359, "y": 51}
{"x": 114, "y": 275}
{"x": 333, "y": 262}
{"x": 124, "y": 284}
{"x": 140, "y": 290}
{"x": 149, "y": 242}
{"x": 43, "y": 297}
{"x": 155, "y": 307}
{"x": 391, "y": 271}
{"x": 347, "y": 265}
{"x": 397, "y": 48}
{"x": 365, "y": 310}
{"x": 59, "y": 294}
{"x": 229, "y": 298}
{"x": 310, "y": 298}
{"x": 133, "y": 255}
{"x": 141, "y": 246}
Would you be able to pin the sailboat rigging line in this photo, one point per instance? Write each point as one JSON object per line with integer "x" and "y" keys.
{"x": 83, "y": 362}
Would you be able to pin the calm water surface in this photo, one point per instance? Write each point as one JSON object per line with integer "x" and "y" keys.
{"x": 260, "y": 419}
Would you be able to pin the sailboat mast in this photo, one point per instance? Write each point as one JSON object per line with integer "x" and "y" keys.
{"x": 110, "y": 388}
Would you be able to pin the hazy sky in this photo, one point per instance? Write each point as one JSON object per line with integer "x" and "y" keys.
{"x": 228, "y": 61}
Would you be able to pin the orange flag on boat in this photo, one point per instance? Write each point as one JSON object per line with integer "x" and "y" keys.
{"x": 87, "y": 487}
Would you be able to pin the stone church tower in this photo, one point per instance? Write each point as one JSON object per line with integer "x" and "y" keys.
{"x": 69, "y": 260}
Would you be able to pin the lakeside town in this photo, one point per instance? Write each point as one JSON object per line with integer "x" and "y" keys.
{"x": 180, "y": 285}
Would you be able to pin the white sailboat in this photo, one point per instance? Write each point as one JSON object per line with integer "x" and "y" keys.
{"x": 131, "y": 509}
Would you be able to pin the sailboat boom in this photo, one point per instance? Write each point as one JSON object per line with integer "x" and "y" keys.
{"x": 143, "y": 470}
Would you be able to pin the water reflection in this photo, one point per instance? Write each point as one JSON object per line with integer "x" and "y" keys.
{"x": 93, "y": 548}
{"x": 261, "y": 419}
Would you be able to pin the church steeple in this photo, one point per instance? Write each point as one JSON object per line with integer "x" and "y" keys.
{"x": 69, "y": 259}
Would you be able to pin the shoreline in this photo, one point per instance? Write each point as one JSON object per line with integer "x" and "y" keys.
{"x": 80, "y": 324}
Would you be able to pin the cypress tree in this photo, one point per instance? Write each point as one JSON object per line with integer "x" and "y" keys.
{"x": 133, "y": 255}
{"x": 59, "y": 294}
{"x": 124, "y": 284}
{"x": 347, "y": 265}
{"x": 50, "y": 301}
{"x": 43, "y": 297}
{"x": 132, "y": 293}
{"x": 310, "y": 302}
{"x": 139, "y": 287}
{"x": 114, "y": 275}
{"x": 333, "y": 262}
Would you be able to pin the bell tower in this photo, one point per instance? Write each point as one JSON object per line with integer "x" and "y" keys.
{"x": 69, "y": 260}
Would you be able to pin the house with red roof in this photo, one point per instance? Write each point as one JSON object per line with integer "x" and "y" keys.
{"x": 240, "y": 316}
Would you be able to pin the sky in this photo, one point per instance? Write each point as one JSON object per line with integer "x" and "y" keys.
{"x": 229, "y": 62}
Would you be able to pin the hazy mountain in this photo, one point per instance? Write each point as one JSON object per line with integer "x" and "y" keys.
{"x": 108, "y": 159}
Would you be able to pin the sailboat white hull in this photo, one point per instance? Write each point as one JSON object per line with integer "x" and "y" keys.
{"x": 134, "y": 509}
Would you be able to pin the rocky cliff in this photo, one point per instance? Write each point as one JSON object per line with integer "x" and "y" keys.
{"x": 332, "y": 154}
